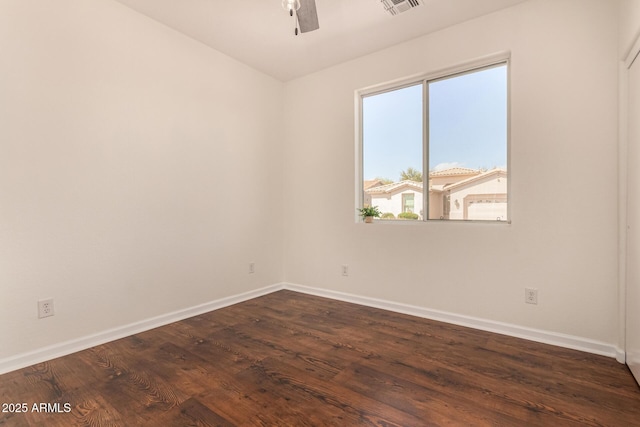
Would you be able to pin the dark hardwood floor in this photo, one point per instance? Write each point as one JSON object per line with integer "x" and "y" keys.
{"x": 289, "y": 359}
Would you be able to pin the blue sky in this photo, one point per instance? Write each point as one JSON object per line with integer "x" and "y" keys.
{"x": 467, "y": 125}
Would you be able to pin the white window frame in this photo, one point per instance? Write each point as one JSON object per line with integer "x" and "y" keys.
{"x": 424, "y": 79}
{"x": 405, "y": 197}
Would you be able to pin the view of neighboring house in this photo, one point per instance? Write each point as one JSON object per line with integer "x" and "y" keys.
{"x": 395, "y": 198}
{"x": 455, "y": 193}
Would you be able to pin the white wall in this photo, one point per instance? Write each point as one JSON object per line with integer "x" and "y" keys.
{"x": 140, "y": 171}
{"x": 131, "y": 157}
{"x": 629, "y": 25}
{"x": 628, "y": 161}
{"x": 563, "y": 141}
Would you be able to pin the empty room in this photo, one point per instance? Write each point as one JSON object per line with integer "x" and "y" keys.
{"x": 319, "y": 212}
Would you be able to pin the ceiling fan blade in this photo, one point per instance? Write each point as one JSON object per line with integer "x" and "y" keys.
{"x": 308, "y": 16}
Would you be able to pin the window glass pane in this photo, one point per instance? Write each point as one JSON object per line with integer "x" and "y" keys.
{"x": 392, "y": 142}
{"x": 468, "y": 146}
{"x": 407, "y": 202}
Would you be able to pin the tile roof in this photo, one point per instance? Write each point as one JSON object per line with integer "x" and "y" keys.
{"x": 496, "y": 171}
{"x": 388, "y": 188}
{"x": 455, "y": 171}
{"x": 370, "y": 183}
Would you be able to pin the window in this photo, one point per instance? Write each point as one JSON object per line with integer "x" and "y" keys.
{"x": 407, "y": 202}
{"x": 453, "y": 125}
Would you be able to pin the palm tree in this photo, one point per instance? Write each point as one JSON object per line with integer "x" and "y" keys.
{"x": 411, "y": 174}
{"x": 384, "y": 180}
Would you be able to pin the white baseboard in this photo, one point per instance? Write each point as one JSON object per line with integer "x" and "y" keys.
{"x": 62, "y": 349}
{"x": 546, "y": 337}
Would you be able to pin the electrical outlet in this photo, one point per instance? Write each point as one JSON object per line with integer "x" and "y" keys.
{"x": 252, "y": 267}
{"x": 45, "y": 308}
{"x": 531, "y": 296}
{"x": 345, "y": 270}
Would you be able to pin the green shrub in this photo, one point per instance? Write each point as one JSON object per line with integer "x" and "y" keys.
{"x": 388, "y": 215}
{"x": 407, "y": 215}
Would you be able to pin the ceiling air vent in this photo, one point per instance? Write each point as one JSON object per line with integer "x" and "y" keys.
{"x": 395, "y": 7}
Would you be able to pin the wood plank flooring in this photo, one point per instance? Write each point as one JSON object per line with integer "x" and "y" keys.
{"x": 289, "y": 359}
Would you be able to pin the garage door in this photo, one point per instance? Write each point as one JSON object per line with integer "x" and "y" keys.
{"x": 487, "y": 210}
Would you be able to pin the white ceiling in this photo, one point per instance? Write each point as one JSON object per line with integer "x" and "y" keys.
{"x": 259, "y": 33}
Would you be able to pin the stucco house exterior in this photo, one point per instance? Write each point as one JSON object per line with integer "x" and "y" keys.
{"x": 455, "y": 193}
{"x": 395, "y": 198}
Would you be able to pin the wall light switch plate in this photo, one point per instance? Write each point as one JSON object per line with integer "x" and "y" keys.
{"x": 345, "y": 270}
